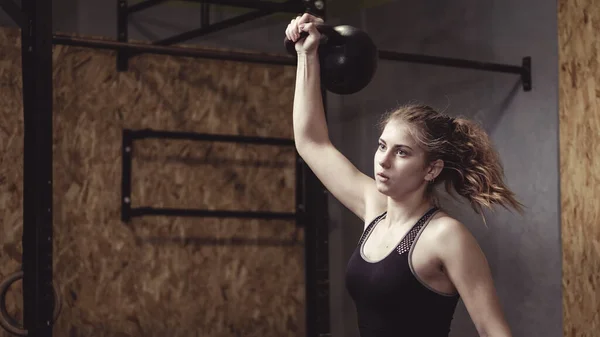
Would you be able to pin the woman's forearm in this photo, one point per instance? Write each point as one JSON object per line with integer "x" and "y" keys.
{"x": 309, "y": 121}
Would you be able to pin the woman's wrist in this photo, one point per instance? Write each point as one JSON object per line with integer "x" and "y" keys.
{"x": 311, "y": 55}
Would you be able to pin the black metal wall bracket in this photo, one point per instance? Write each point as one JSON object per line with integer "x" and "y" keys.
{"x": 261, "y": 9}
{"x": 128, "y": 212}
{"x": 526, "y": 74}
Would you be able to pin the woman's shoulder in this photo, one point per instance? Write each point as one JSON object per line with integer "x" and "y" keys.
{"x": 444, "y": 227}
{"x": 449, "y": 233}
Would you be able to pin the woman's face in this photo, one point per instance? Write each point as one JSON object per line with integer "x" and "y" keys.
{"x": 399, "y": 162}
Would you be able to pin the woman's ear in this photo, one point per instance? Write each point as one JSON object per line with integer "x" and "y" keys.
{"x": 434, "y": 170}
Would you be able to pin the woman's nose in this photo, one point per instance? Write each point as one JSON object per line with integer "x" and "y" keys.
{"x": 384, "y": 162}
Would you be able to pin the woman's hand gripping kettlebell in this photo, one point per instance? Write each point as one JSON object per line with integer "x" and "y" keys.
{"x": 303, "y": 32}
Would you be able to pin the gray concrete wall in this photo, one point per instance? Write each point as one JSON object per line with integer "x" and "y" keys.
{"x": 524, "y": 252}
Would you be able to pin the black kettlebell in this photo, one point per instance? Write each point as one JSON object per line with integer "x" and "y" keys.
{"x": 347, "y": 55}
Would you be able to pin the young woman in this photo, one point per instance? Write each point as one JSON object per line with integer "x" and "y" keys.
{"x": 413, "y": 262}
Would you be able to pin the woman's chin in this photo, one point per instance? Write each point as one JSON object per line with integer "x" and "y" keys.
{"x": 383, "y": 188}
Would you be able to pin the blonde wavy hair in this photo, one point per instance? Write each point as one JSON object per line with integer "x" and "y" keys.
{"x": 472, "y": 167}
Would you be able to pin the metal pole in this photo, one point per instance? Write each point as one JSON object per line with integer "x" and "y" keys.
{"x": 524, "y": 69}
{"x": 316, "y": 234}
{"x": 122, "y": 35}
{"x": 38, "y": 296}
{"x": 175, "y": 51}
{"x": 449, "y": 62}
{"x": 150, "y": 133}
{"x": 185, "y": 212}
{"x": 205, "y": 15}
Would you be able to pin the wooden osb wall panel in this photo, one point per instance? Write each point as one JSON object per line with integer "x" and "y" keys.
{"x": 163, "y": 276}
{"x": 579, "y": 55}
{"x": 11, "y": 170}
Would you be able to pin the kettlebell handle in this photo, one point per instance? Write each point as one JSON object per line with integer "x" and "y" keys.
{"x": 329, "y": 36}
{"x": 347, "y": 55}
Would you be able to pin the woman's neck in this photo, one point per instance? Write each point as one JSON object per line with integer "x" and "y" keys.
{"x": 406, "y": 211}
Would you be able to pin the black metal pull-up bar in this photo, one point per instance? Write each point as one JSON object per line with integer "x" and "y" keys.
{"x": 524, "y": 70}
{"x": 165, "y": 134}
{"x": 140, "y": 48}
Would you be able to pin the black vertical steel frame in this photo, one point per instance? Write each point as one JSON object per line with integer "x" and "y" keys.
{"x": 204, "y": 14}
{"x": 122, "y": 35}
{"x": 38, "y": 296}
{"x": 126, "y": 159}
{"x": 316, "y": 234}
{"x": 316, "y": 251}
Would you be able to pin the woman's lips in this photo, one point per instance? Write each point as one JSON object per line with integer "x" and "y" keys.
{"x": 383, "y": 176}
